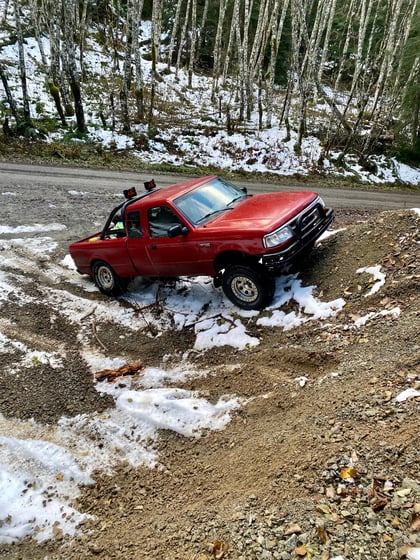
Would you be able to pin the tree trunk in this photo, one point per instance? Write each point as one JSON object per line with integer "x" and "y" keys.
{"x": 276, "y": 33}
{"x": 232, "y": 38}
{"x": 5, "y": 10}
{"x": 83, "y": 27}
{"x": 183, "y": 40}
{"x": 37, "y": 25}
{"x": 156, "y": 37}
{"x": 70, "y": 65}
{"x": 245, "y": 69}
{"x": 127, "y": 74}
{"x": 202, "y": 25}
{"x": 22, "y": 66}
{"x": 157, "y": 27}
{"x": 137, "y": 11}
{"x": 193, "y": 42}
{"x": 9, "y": 95}
{"x": 325, "y": 49}
{"x": 174, "y": 32}
{"x": 217, "y": 51}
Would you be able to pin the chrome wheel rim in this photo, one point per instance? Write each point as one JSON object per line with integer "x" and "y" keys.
{"x": 244, "y": 289}
{"x": 105, "y": 277}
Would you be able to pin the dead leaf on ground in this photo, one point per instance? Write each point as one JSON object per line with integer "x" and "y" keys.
{"x": 301, "y": 550}
{"x": 218, "y": 549}
{"x": 322, "y": 534}
{"x": 379, "y": 504}
{"x": 323, "y": 508}
{"x": 403, "y": 492}
{"x": 292, "y": 530}
{"x": 387, "y": 538}
{"x": 415, "y": 522}
{"x": 348, "y": 472}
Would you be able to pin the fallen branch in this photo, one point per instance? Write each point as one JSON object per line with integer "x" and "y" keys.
{"x": 111, "y": 374}
{"x": 217, "y": 316}
{"x": 95, "y": 334}
{"x": 140, "y": 310}
{"x": 88, "y": 314}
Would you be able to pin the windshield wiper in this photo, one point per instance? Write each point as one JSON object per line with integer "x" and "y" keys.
{"x": 240, "y": 197}
{"x": 212, "y": 213}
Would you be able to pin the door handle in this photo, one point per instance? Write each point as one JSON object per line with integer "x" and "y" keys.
{"x": 153, "y": 246}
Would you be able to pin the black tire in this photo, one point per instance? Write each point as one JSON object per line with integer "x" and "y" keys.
{"x": 247, "y": 287}
{"x": 107, "y": 281}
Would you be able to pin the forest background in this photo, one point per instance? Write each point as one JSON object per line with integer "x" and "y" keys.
{"x": 345, "y": 73}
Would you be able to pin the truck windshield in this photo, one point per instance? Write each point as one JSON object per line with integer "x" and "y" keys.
{"x": 208, "y": 200}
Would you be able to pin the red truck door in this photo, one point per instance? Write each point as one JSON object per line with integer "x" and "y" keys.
{"x": 137, "y": 239}
{"x": 165, "y": 256}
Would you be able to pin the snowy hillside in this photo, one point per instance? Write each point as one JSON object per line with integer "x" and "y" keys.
{"x": 206, "y": 141}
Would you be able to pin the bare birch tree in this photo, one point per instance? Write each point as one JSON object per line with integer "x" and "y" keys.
{"x": 37, "y": 21}
{"x": 277, "y": 24}
{"x": 217, "y": 56}
{"x": 329, "y": 16}
{"x": 5, "y": 11}
{"x": 365, "y": 39}
{"x": 22, "y": 63}
{"x": 245, "y": 62}
{"x": 70, "y": 64}
{"x": 387, "y": 92}
{"x": 193, "y": 44}
{"x": 139, "y": 92}
{"x": 83, "y": 30}
{"x": 203, "y": 24}
{"x": 155, "y": 46}
{"x": 46, "y": 18}
{"x": 183, "y": 37}
{"x": 234, "y": 26}
{"x": 175, "y": 27}
{"x": 127, "y": 71}
{"x": 9, "y": 96}
{"x": 299, "y": 69}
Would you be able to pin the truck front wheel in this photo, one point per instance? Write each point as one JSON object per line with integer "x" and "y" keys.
{"x": 247, "y": 287}
{"x": 106, "y": 280}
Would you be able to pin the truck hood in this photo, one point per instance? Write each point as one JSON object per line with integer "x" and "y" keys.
{"x": 264, "y": 212}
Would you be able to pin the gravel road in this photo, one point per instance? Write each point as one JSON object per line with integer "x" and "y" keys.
{"x": 43, "y": 178}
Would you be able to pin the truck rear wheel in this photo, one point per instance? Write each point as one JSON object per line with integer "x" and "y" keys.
{"x": 247, "y": 287}
{"x": 107, "y": 281}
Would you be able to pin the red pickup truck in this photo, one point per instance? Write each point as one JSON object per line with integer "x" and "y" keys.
{"x": 205, "y": 226}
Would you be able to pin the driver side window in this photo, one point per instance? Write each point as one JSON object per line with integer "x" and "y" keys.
{"x": 161, "y": 219}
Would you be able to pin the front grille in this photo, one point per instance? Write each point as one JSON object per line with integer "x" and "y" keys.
{"x": 308, "y": 221}
{"x": 307, "y": 228}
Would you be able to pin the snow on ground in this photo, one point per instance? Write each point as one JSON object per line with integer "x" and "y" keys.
{"x": 252, "y": 150}
{"x": 38, "y": 460}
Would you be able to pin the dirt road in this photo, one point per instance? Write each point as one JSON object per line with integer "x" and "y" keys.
{"x": 50, "y": 181}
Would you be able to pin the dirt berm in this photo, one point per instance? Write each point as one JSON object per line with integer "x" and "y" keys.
{"x": 319, "y": 468}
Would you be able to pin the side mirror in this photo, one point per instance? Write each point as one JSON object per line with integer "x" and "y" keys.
{"x": 177, "y": 230}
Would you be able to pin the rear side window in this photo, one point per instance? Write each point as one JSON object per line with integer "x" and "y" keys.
{"x": 133, "y": 224}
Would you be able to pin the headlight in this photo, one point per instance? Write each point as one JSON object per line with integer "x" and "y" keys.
{"x": 278, "y": 237}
